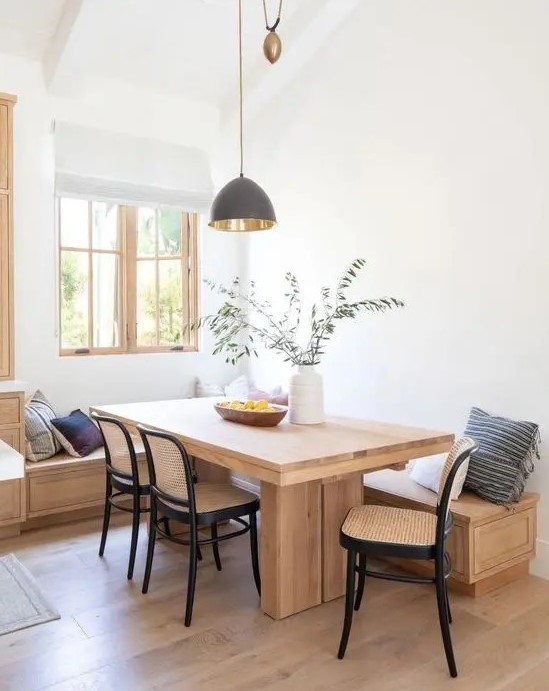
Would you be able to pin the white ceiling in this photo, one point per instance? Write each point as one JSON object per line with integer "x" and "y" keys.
{"x": 175, "y": 47}
{"x": 170, "y": 46}
{"x": 27, "y": 26}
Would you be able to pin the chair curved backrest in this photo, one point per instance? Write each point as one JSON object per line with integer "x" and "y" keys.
{"x": 455, "y": 469}
{"x": 170, "y": 469}
{"x": 120, "y": 453}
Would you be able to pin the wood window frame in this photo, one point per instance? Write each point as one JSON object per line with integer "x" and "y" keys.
{"x": 127, "y": 253}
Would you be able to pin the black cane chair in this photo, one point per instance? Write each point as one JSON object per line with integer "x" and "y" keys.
{"x": 175, "y": 496}
{"x": 386, "y": 531}
{"x": 122, "y": 480}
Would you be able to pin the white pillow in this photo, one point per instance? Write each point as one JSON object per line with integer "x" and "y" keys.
{"x": 204, "y": 390}
{"x": 428, "y": 471}
{"x": 238, "y": 389}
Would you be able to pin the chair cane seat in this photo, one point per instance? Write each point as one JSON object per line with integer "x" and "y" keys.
{"x": 391, "y": 525}
{"x": 211, "y": 496}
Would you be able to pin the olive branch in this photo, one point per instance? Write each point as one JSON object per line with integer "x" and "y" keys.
{"x": 244, "y": 322}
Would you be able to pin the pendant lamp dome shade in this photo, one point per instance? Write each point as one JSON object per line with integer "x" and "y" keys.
{"x": 242, "y": 206}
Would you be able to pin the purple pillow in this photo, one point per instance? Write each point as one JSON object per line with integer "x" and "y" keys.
{"x": 259, "y": 395}
{"x": 77, "y": 434}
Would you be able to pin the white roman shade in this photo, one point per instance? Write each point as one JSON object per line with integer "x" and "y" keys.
{"x": 95, "y": 164}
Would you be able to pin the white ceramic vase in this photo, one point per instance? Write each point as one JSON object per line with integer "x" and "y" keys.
{"x": 306, "y": 396}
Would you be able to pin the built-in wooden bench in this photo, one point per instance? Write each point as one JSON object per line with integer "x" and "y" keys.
{"x": 64, "y": 487}
{"x": 490, "y": 545}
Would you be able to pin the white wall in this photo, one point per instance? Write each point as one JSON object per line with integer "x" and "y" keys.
{"x": 418, "y": 139}
{"x": 78, "y": 382}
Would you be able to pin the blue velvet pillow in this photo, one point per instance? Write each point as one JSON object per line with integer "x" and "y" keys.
{"x": 77, "y": 434}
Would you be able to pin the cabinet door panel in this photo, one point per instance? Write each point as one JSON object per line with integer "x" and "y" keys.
{"x": 4, "y": 147}
{"x": 10, "y": 500}
{"x": 5, "y": 283}
{"x": 11, "y": 435}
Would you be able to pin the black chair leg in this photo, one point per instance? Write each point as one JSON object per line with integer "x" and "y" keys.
{"x": 106, "y": 517}
{"x": 150, "y": 548}
{"x": 255, "y": 551}
{"x": 136, "y": 515}
{"x": 167, "y": 527}
{"x": 349, "y": 595}
{"x": 447, "y": 561}
{"x": 191, "y": 585}
{"x": 443, "y": 612}
{"x": 215, "y": 546}
{"x": 361, "y": 580}
{"x": 448, "y": 602}
{"x": 198, "y": 553}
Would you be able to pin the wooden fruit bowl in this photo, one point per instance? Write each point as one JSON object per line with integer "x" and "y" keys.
{"x": 255, "y": 418}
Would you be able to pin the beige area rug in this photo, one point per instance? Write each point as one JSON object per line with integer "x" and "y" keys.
{"x": 22, "y": 603}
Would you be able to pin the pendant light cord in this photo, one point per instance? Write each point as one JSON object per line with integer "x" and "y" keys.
{"x": 277, "y": 22}
{"x": 241, "y": 88}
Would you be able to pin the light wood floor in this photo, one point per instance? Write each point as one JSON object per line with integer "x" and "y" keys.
{"x": 112, "y": 637}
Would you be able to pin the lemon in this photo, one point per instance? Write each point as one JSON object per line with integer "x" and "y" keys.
{"x": 250, "y": 405}
{"x": 261, "y": 405}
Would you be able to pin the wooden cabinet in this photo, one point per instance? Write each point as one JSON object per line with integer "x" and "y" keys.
{"x": 12, "y": 415}
{"x": 11, "y": 505}
{"x": 5, "y": 143}
{"x": 6, "y": 237}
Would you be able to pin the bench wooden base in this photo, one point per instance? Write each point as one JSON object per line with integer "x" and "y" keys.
{"x": 490, "y": 545}
{"x": 64, "y": 488}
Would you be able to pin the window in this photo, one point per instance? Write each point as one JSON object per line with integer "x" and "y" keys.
{"x": 128, "y": 278}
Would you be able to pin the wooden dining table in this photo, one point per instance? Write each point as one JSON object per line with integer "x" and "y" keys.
{"x": 310, "y": 476}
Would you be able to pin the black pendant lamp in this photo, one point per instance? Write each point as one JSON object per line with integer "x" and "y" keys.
{"x": 242, "y": 205}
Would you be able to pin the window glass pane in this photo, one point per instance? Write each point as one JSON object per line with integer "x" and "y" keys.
{"x": 146, "y": 303}
{"x": 106, "y": 301}
{"x": 146, "y": 232}
{"x": 169, "y": 232}
{"x": 74, "y": 300}
{"x": 74, "y": 223}
{"x": 170, "y": 302}
{"x": 105, "y": 226}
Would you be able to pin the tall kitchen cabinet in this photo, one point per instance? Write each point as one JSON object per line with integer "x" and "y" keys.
{"x": 7, "y": 103}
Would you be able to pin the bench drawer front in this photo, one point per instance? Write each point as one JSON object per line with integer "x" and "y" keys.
{"x": 60, "y": 491}
{"x": 10, "y": 411}
{"x": 500, "y": 541}
{"x": 10, "y": 499}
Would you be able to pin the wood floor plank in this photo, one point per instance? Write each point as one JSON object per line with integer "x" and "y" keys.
{"x": 536, "y": 679}
{"x": 112, "y": 637}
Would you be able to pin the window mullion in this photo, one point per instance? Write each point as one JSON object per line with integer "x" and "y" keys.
{"x": 129, "y": 225}
{"x": 157, "y": 274}
{"x": 193, "y": 284}
{"x": 90, "y": 278}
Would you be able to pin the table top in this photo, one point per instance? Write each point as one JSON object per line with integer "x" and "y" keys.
{"x": 285, "y": 454}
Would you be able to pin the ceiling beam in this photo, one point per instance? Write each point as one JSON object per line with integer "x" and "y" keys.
{"x": 53, "y": 55}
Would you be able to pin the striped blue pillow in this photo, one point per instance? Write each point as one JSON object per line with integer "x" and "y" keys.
{"x": 505, "y": 458}
{"x": 40, "y": 440}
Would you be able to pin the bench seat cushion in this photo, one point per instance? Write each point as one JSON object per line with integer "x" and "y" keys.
{"x": 64, "y": 459}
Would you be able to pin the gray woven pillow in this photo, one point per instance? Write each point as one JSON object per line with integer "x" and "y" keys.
{"x": 505, "y": 458}
{"x": 41, "y": 442}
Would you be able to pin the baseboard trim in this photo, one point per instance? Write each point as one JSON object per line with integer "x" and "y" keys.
{"x": 540, "y": 564}
{"x": 245, "y": 484}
